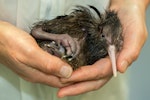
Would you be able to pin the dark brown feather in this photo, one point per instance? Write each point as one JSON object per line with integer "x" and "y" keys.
{"x": 91, "y": 32}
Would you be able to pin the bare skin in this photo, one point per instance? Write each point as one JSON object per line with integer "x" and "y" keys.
{"x": 70, "y": 44}
{"x": 100, "y": 72}
{"x": 24, "y": 57}
{"x": 16, "y": 54}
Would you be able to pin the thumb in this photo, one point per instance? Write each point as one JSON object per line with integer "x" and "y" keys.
{"x": 125, "y": 58}
{"x": 49, "y": 64}
{"x": 130, "y": 51}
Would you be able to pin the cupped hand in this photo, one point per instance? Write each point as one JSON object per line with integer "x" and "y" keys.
{"x": 89, "y": 78}
{"x": 20, "y": 52}
{"x": 132, "y": 17}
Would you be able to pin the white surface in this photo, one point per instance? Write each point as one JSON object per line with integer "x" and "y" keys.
{"x": 24, "y": 13}
{"x": 139, "y": 72}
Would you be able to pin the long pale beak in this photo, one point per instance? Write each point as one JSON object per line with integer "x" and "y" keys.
{"x": 112, "y": 55}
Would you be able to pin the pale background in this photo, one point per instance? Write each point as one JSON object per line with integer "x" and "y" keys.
{"x": 139, "y": 72}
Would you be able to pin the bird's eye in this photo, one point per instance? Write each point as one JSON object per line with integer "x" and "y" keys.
{"x": 102, "y": 35}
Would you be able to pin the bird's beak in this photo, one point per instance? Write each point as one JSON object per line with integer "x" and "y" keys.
{"x": 112, "y": 55}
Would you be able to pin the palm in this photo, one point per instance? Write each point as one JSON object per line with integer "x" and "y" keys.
{"x": 134, "y": 32}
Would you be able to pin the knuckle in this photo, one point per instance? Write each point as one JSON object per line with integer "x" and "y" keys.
{"x": 48, "y": 68}
{"x": 30, "y": 50}
{"x": 100, "y": 83}
{"x": 96, "y": 87}
{"x": 59, "y": 85}
{"x": 145, "y": 35}
{"x": 132, "y": 57}
{"x": 100, "y": 74}
{"x": 135, "y": 55}
{"x": 97, "y": 73}
{"x": 52, "y": 65}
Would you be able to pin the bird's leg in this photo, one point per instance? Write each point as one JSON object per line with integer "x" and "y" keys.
{"x": 71, "y": 46}
{"x": 112, "y": 55}
{"x": 53, "y": 48}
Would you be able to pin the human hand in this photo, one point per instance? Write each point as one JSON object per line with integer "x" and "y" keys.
{"x": 20, "y": 53}
{"x": 132, "y": 17}
{"x": 89, "y": 78}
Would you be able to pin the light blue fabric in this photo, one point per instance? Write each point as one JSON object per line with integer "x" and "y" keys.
{"x": 23, "y": 13}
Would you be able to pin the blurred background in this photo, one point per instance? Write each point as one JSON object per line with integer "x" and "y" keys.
{"x": 139, "y": 72}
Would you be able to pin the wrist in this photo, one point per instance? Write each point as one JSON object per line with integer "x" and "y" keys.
{"x": 118, "y": 4}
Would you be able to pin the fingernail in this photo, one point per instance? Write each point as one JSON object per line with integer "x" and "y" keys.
{"x": 66, "y": 71}
{"x": 124, "y": 66}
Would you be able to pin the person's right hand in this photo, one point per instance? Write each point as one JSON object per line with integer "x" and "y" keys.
{"x": 20, "y": 52}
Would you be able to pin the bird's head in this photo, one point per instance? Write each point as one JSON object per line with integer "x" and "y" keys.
{"x": 111, "y": 34}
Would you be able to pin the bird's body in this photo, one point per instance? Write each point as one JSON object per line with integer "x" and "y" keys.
{"x": 94, "y": 35}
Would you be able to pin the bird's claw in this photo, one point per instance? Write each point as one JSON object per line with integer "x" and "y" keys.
{"x": 68, "y": 57}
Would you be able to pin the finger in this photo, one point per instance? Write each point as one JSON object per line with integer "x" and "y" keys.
{"x": 54, "y": 66}
{"x": 126, "y": 57}
{"x": 41, "y": 60}
{"x": 82, "y": 87}
{"x": 99, "y": 70}
{"x": 35, "y": 76}
{"x": 133, "y": 43}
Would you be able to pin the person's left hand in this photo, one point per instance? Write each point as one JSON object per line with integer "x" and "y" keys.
{"x": 88, "y": 78}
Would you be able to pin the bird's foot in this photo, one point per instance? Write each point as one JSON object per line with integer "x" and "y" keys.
{"x": 68, "y": 57}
